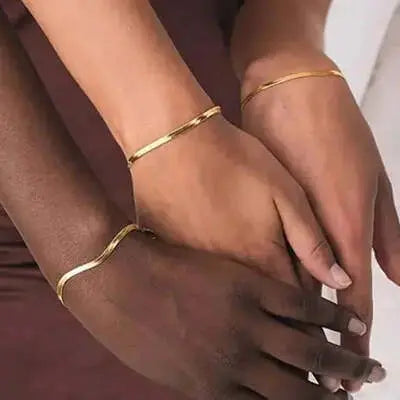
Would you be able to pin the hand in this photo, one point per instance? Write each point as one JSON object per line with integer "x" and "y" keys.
{"x": 315, "y": 128}
{"x": 218, "y": 189}
{"x": 209, "y": 327}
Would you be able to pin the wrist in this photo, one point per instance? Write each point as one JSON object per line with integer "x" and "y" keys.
{"x": 283, "y": 62}
{"x": 155, "y": 114}
{"x": 186, "y": 159}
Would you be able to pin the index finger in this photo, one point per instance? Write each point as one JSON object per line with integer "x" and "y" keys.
{"x": 306, "y": 306}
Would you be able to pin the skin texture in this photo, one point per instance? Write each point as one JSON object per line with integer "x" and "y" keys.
{"x": 251, "y": 178}
{"x": 267, "y": 193}
{"x": 315, "y": 128}
{"x": 264, "y": 189}
{"x": 121, "y": 119}
{"x": 209, "y": 327}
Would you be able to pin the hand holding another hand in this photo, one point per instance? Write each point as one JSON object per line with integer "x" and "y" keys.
{"x": 209, "y": 327}
{"x": 315, "y": 128}
{"x": 218, "y": 189}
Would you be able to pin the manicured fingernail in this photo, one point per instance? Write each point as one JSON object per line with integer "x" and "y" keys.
{"x": 340, "y": 276}
{"x": 357, "y": 327}
{"x": 332, "y": 384}
{"x": 378, "y": 374}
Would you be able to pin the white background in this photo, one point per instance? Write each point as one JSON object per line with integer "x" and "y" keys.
{"x": 359, "y": 40}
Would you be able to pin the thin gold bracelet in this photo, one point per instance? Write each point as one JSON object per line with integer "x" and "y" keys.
{"x": 96, "y": 262}
{"x": 175, "y": 133}
{"x": 288, "y": 78}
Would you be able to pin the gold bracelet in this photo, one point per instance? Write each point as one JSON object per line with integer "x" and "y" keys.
{"x": 172, "y": 135}
{"x": 96, "y": 262}
{"x": 291, "y": 77}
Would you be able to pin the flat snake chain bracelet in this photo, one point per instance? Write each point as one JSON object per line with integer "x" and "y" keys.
{"x": 188, "y": 126}
{"x": 96, "y": 262}
{"x": 288, "y": 78}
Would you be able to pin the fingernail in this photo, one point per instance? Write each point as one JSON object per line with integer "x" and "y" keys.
{"x": 332, "y": 384}
{"x": 378, "y": 374}
{"x": 357, "y": 327}
{"x": 340, "y": 276}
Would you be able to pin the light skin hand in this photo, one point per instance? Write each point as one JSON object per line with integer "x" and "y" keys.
{"x": 224, "y": 180}
{"x": 317, "y": 131}
{"x": 217, "y": 189}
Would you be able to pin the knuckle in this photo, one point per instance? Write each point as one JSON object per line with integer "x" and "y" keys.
{"x": 320, "y": 248}
{"x": 308, "y": 306}
{"x": 320, "y": 251}
{"x": 362, "y": 369}
{"x": 244, "y": 291}
{"x": 353, "y": 231}
{"x": 317, "y": 359}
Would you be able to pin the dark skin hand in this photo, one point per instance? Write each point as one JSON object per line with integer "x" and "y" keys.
{"x": 208, "y": 326}
{"x": 201, "y": 324}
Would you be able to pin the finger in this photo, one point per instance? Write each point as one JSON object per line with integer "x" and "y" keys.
{"x": 277, "y": 382}
{"x": 309, "y": 283}
{"x": 387, "y": 231}
{"x": 307, "y": 240}
{"x": 328, "y": 382}
{"x": 277, "y": 263}
{"x": 301, "y": 305}
{"x": 311, "y": 354}
{"x": 355, "y": 245}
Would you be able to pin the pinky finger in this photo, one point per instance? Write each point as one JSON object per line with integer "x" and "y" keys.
{"x": 278, "y": 382}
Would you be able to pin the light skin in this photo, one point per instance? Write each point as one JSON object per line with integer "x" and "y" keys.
{"x": 112, "y": 75}
{"x": 184, "y": 318}
{"x": 315, "y": 128}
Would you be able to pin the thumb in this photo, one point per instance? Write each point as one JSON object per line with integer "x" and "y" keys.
{"x": 307, "y": 240}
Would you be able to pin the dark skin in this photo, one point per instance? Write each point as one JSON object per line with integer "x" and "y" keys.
{"x": 202, "y": 324}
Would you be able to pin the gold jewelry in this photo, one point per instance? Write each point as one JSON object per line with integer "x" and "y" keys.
{"x": 290, "y": 77}
{"x": 172, "y": 135}
{"x": 96, "y": 262}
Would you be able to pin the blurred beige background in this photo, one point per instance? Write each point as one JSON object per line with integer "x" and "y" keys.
{"x": 363, "y": 37}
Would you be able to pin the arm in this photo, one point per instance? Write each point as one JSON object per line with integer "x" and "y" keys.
{"x": 130, "y": 69}
{"x": 315, "y": 128}
{"x": 45, "y": 186}
{"x": 136, "y": 73}
{"x": 269, "y": 30}
{"x": 161, "y": 309}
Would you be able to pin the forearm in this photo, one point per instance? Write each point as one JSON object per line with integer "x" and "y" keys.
{"x": 45, "y": 185}
{"x": 125, "y": 62}
{"x": 272, "y": 30}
